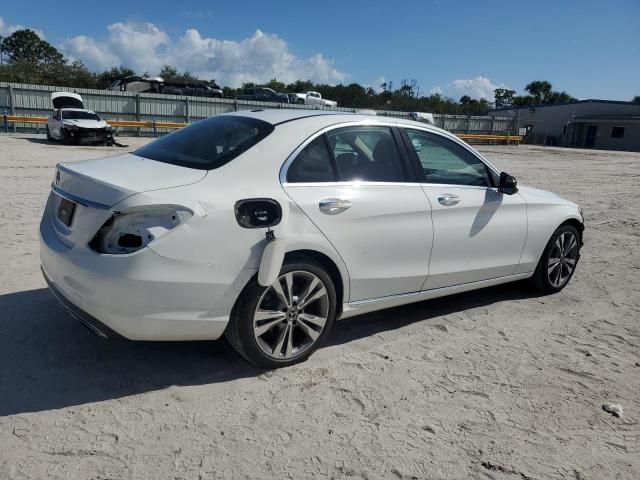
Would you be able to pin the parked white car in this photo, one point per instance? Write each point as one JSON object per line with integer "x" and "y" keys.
{"x": 70, "y": 122}
{"x": 267, "y": 226}
{"x": 312, "y": 98}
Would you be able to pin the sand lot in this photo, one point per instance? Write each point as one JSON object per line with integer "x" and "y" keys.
{"x": 499, "y": 383}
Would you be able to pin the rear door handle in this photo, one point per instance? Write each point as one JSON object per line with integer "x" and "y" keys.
{"x": 333, "y": 206}
{"x": 448, "y": 200}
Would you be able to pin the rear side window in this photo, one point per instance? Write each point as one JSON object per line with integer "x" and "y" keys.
{"x": 367, "y": 154}
{"x": 313, "y": 164}
{"x": 209, "y": 143}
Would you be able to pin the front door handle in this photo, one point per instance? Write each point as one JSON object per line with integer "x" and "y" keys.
{"x": 333, "y": 206}
{"x": 448, "y": 200}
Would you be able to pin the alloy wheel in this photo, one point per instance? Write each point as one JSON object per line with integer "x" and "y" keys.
{"x": 562, "y": 259}
{"x": 291, "y": 315}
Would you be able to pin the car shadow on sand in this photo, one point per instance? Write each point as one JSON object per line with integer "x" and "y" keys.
{"x": 41, "y": 141}
{"x": 48, "y": 360}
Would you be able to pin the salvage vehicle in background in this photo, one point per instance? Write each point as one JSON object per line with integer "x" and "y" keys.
{"x": 311, "y": 98}
{"x": 262, "y": 94}
{"x": 158, "y": 85}
{"x": 268, "y": 225}
{"x": 70, "y": 122}
{"x": 137, "y": 84}
{"x": 197, "y": 89}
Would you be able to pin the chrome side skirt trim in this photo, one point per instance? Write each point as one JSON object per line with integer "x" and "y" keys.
{"x": 365, "y": 306}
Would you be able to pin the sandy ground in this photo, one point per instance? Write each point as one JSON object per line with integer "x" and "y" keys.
{"x": 498, "y": 383}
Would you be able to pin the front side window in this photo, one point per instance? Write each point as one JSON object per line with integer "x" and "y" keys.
{"x": 366, "y": 154}
{"x": 209, "y": 143}
{"x": 446, "y": 162}
{"x": 313, "y": 164}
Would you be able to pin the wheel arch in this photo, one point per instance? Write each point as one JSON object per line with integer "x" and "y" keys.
{"x": 331, "y": 268}
{"x": 577, "y": 224}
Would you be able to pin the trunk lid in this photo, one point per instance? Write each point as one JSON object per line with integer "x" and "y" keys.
{"x": 106, "y": 181}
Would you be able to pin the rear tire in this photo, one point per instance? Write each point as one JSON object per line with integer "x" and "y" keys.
{"x": 558, "y": 261}
{"x": 273, "y": 328}
{"x": 49, "y": 137}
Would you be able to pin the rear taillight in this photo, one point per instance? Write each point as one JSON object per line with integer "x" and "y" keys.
{"x": 132, "y": 230}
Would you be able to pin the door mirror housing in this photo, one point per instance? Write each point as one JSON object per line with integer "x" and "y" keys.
{"x": 508, "y": 184}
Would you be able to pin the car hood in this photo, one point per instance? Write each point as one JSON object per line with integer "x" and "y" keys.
{"x": 107, "y": 181}
{"x": 532, "y": 194}
{"x": 85, "y": 123}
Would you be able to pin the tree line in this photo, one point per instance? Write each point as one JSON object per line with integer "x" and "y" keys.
{"x": 26, "y": 58}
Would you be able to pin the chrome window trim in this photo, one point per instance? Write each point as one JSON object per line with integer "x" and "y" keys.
{"x": 351, "y": 183}
{"x": 455, "y": 139}
{"x": 360, "y": 123}
{"x": 380, "y": 123}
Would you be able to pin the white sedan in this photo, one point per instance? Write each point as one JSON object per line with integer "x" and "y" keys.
{"x": 267, "y": 226}
{"x": 70, "y": 122}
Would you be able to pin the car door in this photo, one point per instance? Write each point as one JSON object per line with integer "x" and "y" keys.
{"x": 479, "y": 232}
{"x": 359, "y": 190}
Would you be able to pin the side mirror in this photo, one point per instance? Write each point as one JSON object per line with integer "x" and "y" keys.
{"x": 508, "y": 184}
{"x": 258, "y": 213}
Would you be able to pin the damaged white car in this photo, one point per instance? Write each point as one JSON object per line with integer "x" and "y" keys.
{"x": 70, "y": 122}
{"x": 267, "y": 226}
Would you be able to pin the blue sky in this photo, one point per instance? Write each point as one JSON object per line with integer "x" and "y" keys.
{"x": 591, "y": 49}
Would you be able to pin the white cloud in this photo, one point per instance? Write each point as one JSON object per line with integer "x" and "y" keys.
{"x": 377, "y": 82}
{"x": 436, "y": 91}
{"x": 6, "y": 30}
{"x": 144, "y": 47}
{"x": 478, "y": 87}
{"x": 86, "y": 48}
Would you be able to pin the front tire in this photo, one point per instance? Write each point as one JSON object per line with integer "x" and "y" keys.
{"x": 558, "y": 261}
{"x": 283, "y": 324}
{"x": 49, "y": 137}
{"x": 66, "y": 138}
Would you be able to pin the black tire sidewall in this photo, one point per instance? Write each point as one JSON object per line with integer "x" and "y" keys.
{"x": 541, "y": 277}
{"x": 242, "y": 317}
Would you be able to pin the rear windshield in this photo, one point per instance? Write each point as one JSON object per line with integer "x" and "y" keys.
{"x": 209, "y": 143}
{"x": 77, "y": 115}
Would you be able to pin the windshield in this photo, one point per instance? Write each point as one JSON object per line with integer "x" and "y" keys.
{"x": 79, "y": 115}
{"x": 209, "y": 143}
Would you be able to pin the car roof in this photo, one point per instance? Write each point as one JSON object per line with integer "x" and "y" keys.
{"x": 277, "y": 116}
{"x": 77, "y": 110}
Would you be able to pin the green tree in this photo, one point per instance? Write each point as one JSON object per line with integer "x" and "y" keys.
{"x": 274, "y": 84}
{"x": 106, "y": 78}
{"x": 539, "y": 90}
{"x": 170, "y": 74}
{"x": 636, "y": 99}
{"x": 300, "y": 86}
{"x": 73, "y": 74}
{"x": 503, "y": 97}
{"x": 25, "y": 46}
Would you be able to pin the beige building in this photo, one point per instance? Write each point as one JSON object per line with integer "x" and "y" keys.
{"x": 601, "y": 124}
